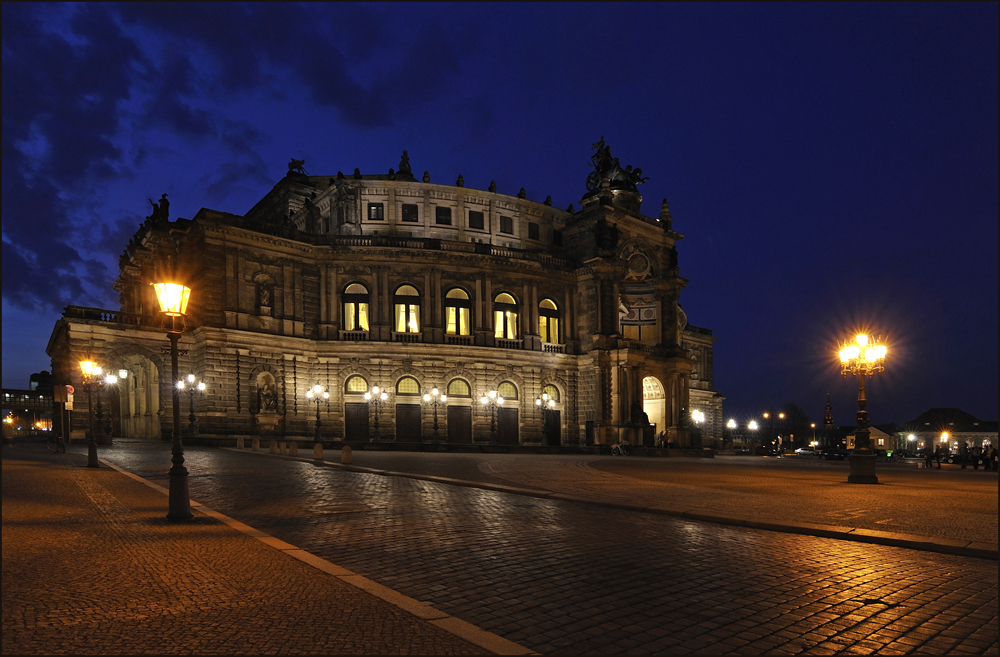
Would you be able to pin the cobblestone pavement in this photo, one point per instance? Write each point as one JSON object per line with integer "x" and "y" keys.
{"x": 559, "y": 576}
{"x": 908, "y": 499}
{"x": 91, "y": 566}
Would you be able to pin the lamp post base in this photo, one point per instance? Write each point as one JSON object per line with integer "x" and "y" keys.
{"x": 862, "y": 469}
{"x": 179, "y": 500}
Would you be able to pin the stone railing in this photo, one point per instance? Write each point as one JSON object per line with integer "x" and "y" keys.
{"x": 355, "y": 336}
{"x": 464, "y": 340}
{"x": 111, "y": 316}
{"x": 552, "y": 348}
{"x": 509, "y": 344}
{"x": 405, "y": 337}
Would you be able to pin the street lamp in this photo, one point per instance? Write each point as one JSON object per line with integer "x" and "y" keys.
{"x": 377, "y": 396}
{"x": 91, "y": 374}
{"x": 865, "y": 358}
{"x": 317, "y": 394}
{"x": 492, "y": 401}
{"x": 731, "y": 425}
{"x": 545, "y": 404}
{"x": 434, "y": 398}
{"x": 110, "y": 380}
{"x": 752, "y": 426}
{"x": 173, "y": 300}
{"x": 192, "y": 386}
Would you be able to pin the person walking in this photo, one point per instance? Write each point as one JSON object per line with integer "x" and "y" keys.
{"x": 977, "y": 454}
{"x": 928, "y": 457}
{"x": 937, "y": 456}
{"x": 963, "y": 454}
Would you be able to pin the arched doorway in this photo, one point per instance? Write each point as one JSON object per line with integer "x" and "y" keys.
{"x": 654, "y": 403}
{"x": 139, "y": 408}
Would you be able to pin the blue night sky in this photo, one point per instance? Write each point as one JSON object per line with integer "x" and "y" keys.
{"x": 831, "y": 166}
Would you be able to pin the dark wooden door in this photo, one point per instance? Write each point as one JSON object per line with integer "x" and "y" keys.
{"x": 553, "y": 428}
{"x": 356, "y": 422}
{"x": 507, "y": 426}
{"x": 408, "y": 423}
{"x": 459, "y": 424}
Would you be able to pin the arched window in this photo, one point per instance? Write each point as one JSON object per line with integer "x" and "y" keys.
{"x": 551, "y": 391}
{"x": 356, "y": 385}
{"x": 458, "y": 310}
{"x": 407, "y": 385}
{"x": 407, "y": 301}
{"x": 459, "y": 388}
{"x": 356, "y": 307}
{"x": 548, "y": 321}
{"x": 507, "y": 390}
{"x": 505, "y": 316}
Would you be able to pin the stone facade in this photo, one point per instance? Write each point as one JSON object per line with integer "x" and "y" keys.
{"x": 409, "y": 285}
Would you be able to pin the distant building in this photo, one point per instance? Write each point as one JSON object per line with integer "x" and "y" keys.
{"x": 883, "y": 437}
{"x": 30, "y": 410}
{"x": 362, "y": 280}
{"x": 949, "y": 427}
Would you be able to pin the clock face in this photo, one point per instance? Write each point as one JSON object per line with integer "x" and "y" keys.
{"x": 638, "y": 264}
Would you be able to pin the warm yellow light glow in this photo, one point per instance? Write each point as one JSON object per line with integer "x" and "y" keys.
{"x": 767, "y": 415}
{"x": 122, "y": 374}
{"x": 862, "y": 340}
{"x": 849, "y": 353}
{"x": 173, "y": 297}
{"x": 752, "y": 426}
{"x": 552, "y": 403}
{"x": 180, "y": 385}
{"x": 911, "y": 437}
{"x": 731, "y": 424}
{"x": 813, "y": 425}
{"x": 111, "y": 379}
{"x": 483, "y": 400}
{"x": 317, "y": 388}
{"x": 880, "y": 351}
{"x": 87, "y": 366}
{"x": 368, "y": 396}
{"x": 781, "y": 416}
{"x": 309, "y": 394}
{"x": 384, "y": 396}
{"x": 944, "y": 437}
{"x": 434, "y": 391}
{"x": 201, "y": 386}
{"x": 375, "y": 390}
{"x": 427, "y": 398}
{"x": 444, "y": 398}
{"x": 493, "y": 394}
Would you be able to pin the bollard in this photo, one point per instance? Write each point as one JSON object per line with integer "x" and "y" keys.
{"x": 272, "y": 447}
{"x": 239, "y": 443}
{"x": 293, "y": 448}
{"x": 318, "y": 451}
{"x": 345, "y": 455}
{"x": 256, "y": 444}
{"x": 281, "y": 448}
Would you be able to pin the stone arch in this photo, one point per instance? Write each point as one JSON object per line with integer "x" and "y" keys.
{"x": 509, "y": 375}
{"x": 654, "y": 402}
{"x": 465, "y": 374}
{"x": 141, "y": 396}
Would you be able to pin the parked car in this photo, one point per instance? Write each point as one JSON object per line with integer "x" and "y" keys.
{"x": 806, "y": 451}
{"x": 835, "y": 453}
{"x": 741, "y": 450}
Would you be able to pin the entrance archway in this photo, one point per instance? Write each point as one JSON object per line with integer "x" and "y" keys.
{"x": 139, "y": 408}
{"x": 654, "y": 403}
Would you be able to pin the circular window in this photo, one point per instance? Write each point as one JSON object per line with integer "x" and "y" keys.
{"x": 638, "y": 264}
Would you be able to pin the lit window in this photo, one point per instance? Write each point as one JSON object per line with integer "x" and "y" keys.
{"x": 407, "y": 386}
{"x": 551, "y": 391}
{"x": 457, "y": 310}
{"x": 505, "y": 316}
{"x": 356, "y": 307}
{"x": 458, "y": 388}
{"x": 548, "y": 321}
{"x": 507, "y": 390}
{"x": 407, "y": 302}
{"x": 356, "y": 384}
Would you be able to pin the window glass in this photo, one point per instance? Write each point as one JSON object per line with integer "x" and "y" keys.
{"x": 457, "y": 311}
{"x": 407, "y": 310}
{"x": 458, "y": 388}
{"x": 356, "y": 308}
{"x": 505, "y": 317}
{"x": 356, "y": 384}
{"x": 532, "y": 230}
{"x": 407, "y": 386}
{"x": 442, "y": 216}
{"x": 376, "y": 212}
{"x": 552, "y": 392}
{"x": 548, "y": 321}
{"x": 507, "y": 225}
{"x": 410, "y": 213}
{"x": 507, "y": 390}
{"x": 476, "y": 220}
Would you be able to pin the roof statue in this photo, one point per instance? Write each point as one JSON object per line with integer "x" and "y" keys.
{"x": 606, "y": 166}
{"x": 297, "y": 166}
{"x": 404, "y": 164}
{"x": 160, "y": 212}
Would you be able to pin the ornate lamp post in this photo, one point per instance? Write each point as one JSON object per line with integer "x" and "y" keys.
{"x": 317, "y": 394}
{"x": 109, "y": 380}
{"x": 91, "y": 375}
{"x": 545, "y": 404}
{"x": 492, "y": 401}
{"x": 192, "y": 385}
{"x": 731, "y": 425}
{"x": 865, "y": 358}
{"x": 173, "y": 299}
{"x": 377, "y": 396}
{"x": 752, "y": 426}
{"x": 434, "y": 398}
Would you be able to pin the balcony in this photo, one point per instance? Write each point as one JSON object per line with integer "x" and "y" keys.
{"x": 405, "y": 337}
{"x": 509, "y": 344}
{"x": 354, "y": 336}
{"x": 463, "y": 340}
{"x": 552, "y": 348}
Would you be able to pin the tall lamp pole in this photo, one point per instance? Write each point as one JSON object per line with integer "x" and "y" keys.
{"x": 317, "y": 394}
{"x": 492, "y": 401}
{"x": 434, "y": 398}
{"x": 865, "y": 358}
{"x": 377, "y": 396}
{"x": 545, "y": 404}
{"x": 91, "y": 373}
{"x": 731, "y": 425}
{"x": 192, "y": 385}
{"x": 752, "y": 426}
{"x": 173, "y": 299}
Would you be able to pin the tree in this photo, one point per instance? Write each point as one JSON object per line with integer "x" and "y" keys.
{"x": 797, "y": 423}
